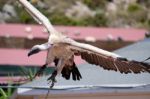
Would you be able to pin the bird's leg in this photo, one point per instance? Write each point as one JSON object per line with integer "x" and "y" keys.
{"x": 58, "y": 68}
{"x": 52, "y": 79}
{"x": 40, "y": 71}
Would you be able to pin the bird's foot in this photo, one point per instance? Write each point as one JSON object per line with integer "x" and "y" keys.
{"x": 51, "y": 80}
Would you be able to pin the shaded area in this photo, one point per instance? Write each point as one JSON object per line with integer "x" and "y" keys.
{"x": 24, "y": 43}
{"x": 14, "y": 70}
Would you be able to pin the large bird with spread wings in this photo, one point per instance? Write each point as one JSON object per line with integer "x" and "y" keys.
{"x": 62, "y": 49}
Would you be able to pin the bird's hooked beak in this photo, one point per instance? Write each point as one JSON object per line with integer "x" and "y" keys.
{"x": 38, "y": 48}
{"x": 34, "y": 51}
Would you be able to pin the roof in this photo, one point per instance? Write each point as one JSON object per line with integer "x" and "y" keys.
{"x": 19, "y": 57}
{"x": 93, "y": 76}
{"x": 95, "y": 80}
{"x": 96, "y": 76}
{"x": 138, "y": 51}
{"x": 100, "y": 33}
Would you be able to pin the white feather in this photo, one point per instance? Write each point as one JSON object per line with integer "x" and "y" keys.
{"x": 38, "y": 16}
{"x": 91, "y": 48}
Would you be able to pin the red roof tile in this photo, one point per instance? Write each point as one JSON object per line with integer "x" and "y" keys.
{"x": 19, "y": 57}
{"x": 19, "y": 30}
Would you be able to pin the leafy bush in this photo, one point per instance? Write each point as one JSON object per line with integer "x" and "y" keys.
{"x": 28, "y": 73}
{"x": 23, "y": 16}
{"x": 2, "y": 2}
{"x": 94, "y": 4}
{"x": 63, "y": 20}
{"x": 5, "y": 93}
{"x": 137, "y": 13}
{"x": 134, "y": 8}
{"x": 99, "y": 20}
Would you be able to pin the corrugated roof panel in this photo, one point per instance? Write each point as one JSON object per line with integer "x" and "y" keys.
{"x": 138, "y": 51}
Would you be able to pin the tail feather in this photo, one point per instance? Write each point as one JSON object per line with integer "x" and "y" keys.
{"x": 146, "y": 66}
{"x": 66, "y": 73}
{"x": 76, "y": 73}
{"x": 68, "y": 70}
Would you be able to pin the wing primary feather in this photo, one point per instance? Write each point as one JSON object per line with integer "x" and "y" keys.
{"x": 122, "y": 64}
{"x": 107, "y": 64}
{"x": 119, "y": 65}
{"x": 111, "y": 64}
{"x": 100, "y": 62}
{"x": 138, "y": 67}
{"x": 103, "y": 63}
{"x": 94, "y": 59}
{"x": 134, "y": 67}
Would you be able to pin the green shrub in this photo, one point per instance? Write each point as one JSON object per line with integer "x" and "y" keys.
{"x": 94, "y": 4}
{"x": 99, "y": 20}
{"x": 134, "y": 8}
{"x": 5, "y": 93}
{"x": 137, "y": 13}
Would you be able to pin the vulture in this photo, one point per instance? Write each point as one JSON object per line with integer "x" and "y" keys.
{"x": 62, "y": 49}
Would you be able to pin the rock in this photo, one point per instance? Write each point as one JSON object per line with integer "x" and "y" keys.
{"x": 79, "y": 11}
{"x": 111, "y": 7}
{"x": 1, "y": 18}
{"x": 9, "y": 10}
{"x": 42, "y": 5}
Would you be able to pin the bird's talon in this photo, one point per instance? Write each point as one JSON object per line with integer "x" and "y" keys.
{"x": 51, "y": 80}
{"x": 52, "y": 85}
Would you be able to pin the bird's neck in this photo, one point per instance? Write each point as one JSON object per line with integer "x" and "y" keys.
{"x": 44, "y": 46}
{"x": 56, "y": 38}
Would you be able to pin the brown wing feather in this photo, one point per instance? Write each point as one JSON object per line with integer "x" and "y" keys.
{"x": 109, "y": 63}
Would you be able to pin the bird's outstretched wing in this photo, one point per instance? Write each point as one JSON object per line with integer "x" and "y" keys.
{"x": 37, "y": 15}
{"x": 107, "y": 60}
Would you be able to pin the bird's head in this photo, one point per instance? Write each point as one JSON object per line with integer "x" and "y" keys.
{"x": 37, "y": 48}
